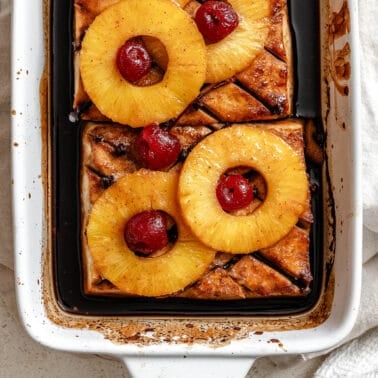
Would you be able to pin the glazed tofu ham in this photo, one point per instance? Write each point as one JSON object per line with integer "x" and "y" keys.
{"x": 213, "y": 143}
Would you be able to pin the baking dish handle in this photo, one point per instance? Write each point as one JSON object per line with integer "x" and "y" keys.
{"x": 187, "y": 366}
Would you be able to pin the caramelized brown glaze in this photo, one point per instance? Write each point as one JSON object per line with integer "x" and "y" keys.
{"x": 217, "y": 284}
{"x": 291, "y": 254}
{"x": 261, "y": 279}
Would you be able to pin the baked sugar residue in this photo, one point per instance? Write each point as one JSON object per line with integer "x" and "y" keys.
{"x": 342, "y": 65}
{"x": 341, "y": 69}
{"x": 274, "y": 341}
{"x": 340, "y": 22}
{"x": 278, "y": 342}
{"x": 338, "y": 63}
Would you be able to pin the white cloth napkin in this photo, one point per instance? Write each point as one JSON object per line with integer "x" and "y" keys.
{"x": 358, "y": 358}
{"x": 369, "y": 118}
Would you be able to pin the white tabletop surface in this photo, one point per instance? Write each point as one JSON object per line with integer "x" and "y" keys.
{"x": 22, "y": 357}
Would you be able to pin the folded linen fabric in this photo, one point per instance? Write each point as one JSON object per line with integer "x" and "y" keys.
{"x": 369, "y": 117}
{"x": 357, "y": 358}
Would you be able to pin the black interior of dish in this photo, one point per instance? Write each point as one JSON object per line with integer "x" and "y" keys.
{"x": 66, "y": 195}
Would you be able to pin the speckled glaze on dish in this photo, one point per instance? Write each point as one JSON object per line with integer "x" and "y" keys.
{"x": 139, "y": 340}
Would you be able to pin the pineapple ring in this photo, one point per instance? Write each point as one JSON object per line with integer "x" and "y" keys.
{"x": 228, "y": 57}
{"x": 183, "y": 264}
{"x": 133, "y": 105}
{"x": 285, "y": 176}
{"x": 236, "y": 51}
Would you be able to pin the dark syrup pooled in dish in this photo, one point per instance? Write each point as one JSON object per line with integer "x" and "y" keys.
{"x": 66, "y": 223}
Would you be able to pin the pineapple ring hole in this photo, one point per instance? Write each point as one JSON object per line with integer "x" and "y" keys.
{"x": 172, "y": 233}
{"x": 259, "y": 187}
{"x": 157, "y": 50}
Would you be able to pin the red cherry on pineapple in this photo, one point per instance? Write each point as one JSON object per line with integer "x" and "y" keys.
{"x": 133, "y": 60}
{"x": 216, "y": 20}
{"x": 156, "y": 148}
{"x": 234, "y": 192}
{"x": 146, "y": 232}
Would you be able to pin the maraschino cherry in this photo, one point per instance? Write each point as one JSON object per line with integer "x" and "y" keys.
{"x": 146, "y": 232}
{"x": 133, "y": 60}
{"x": 234, "y": 192}
{"x": 216, "y": 20}
{"x": 156, "y": 148}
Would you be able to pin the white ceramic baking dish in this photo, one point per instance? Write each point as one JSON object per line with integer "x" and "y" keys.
{"x": 172, "y": 356}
